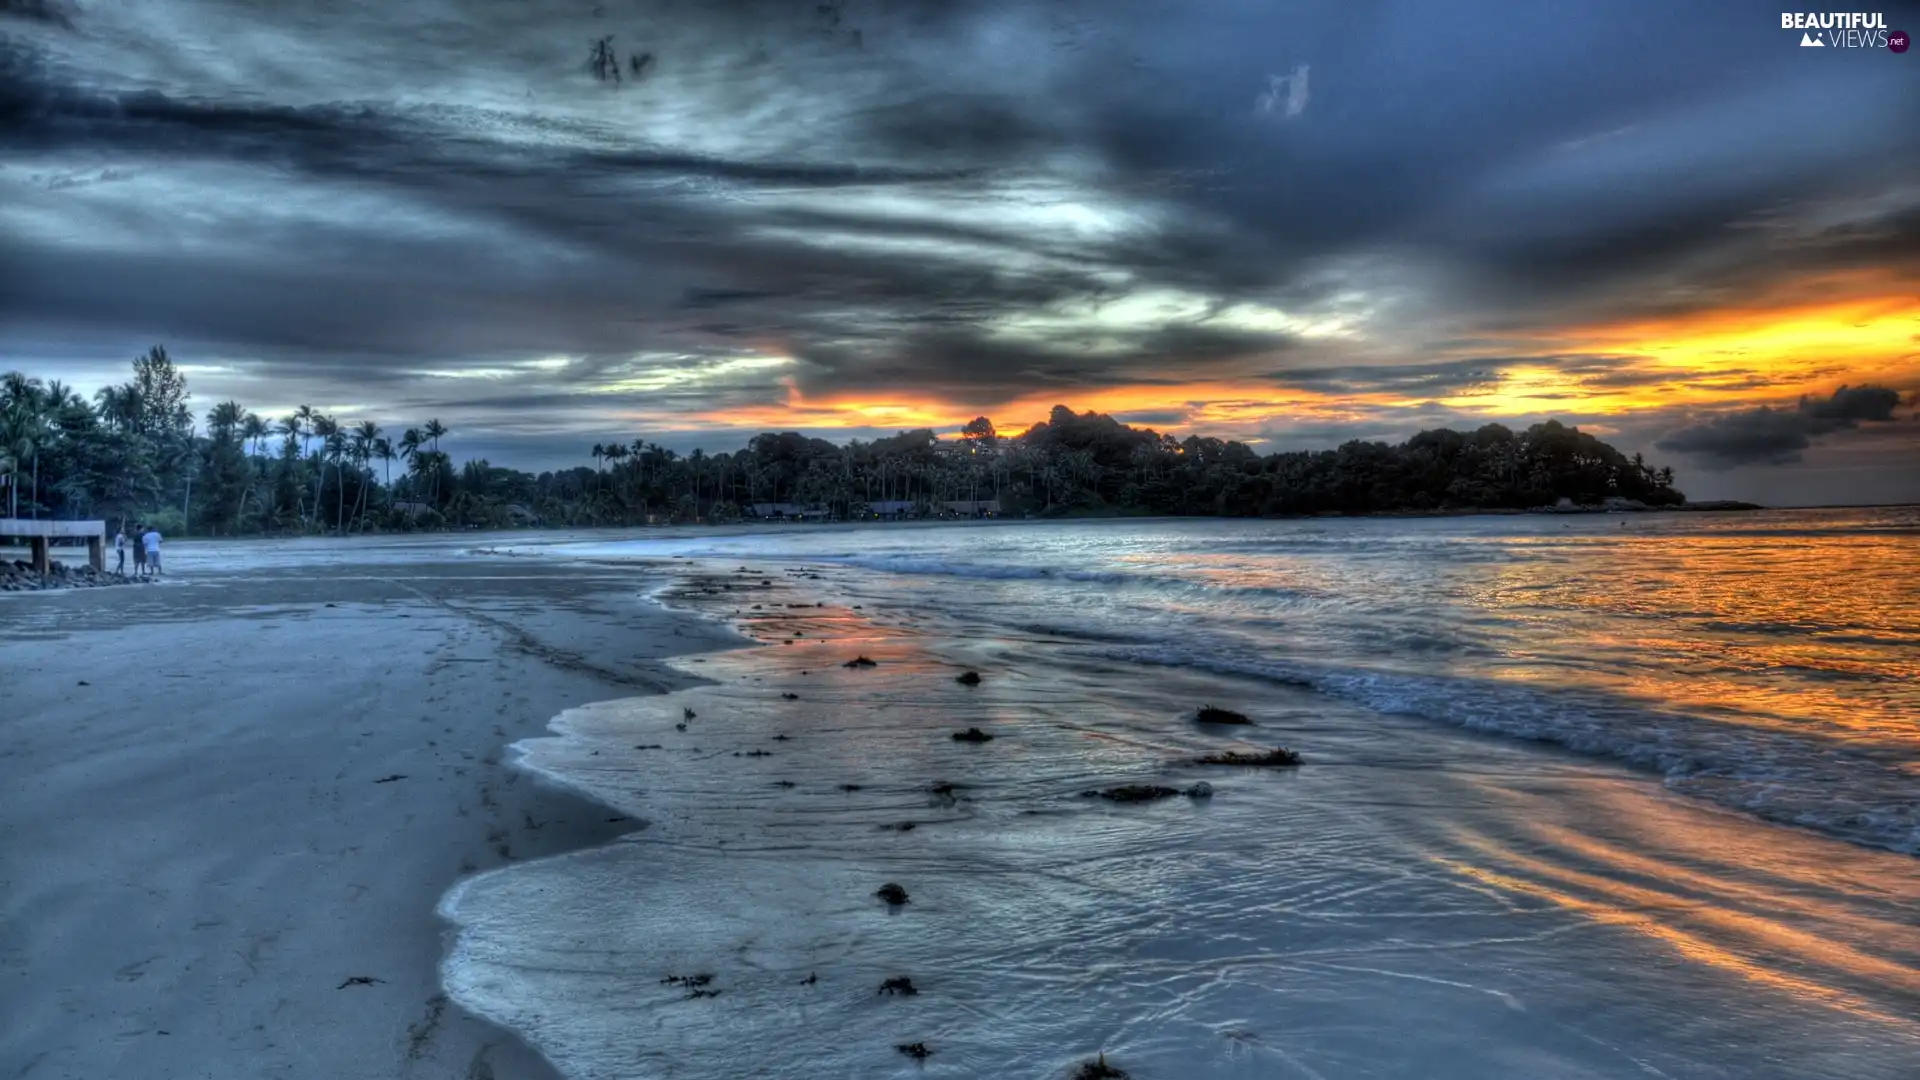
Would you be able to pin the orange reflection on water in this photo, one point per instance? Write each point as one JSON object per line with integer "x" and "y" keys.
{"x": 1794, "y": 913}
{"x": 1783, "y": 632}
{"x": 1630, "y": 908}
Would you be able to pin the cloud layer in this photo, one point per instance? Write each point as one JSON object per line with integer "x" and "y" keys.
{"x": 861, "y": 215}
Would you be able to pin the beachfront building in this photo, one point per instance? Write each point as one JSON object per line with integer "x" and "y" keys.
{"x": 972, "y": 507}
{"x": 893, "y": 509}
{"x": 786, "y": 511}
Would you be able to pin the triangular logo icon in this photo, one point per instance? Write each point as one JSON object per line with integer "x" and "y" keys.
{"x": 1808, "y": 41}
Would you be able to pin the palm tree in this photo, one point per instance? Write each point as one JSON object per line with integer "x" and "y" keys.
{"x": 433, "y": 430}
{"x": 254, "y": 430}
{"x": 383, "y": 449}
{"x": 297, "y": 424}
{"x": 327, "y": 430}
{"x": 305, "y": 416}
{"x": 24, "y": 431}
{"x": 224, "y": 420}
{"x": 616, "y": 454}
{"x": 365, "y": 434}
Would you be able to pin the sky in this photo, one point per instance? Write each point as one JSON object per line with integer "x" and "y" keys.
{"x": 1290, "y": 223}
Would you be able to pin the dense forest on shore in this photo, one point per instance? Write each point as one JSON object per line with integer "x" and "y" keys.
{"x": 137, "y": 451}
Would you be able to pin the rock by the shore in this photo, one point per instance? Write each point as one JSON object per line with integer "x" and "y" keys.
{"x": 1208, "y": 714}
{"x": 1098, "y": 1069}
{"x": 1138, "y": 793}
{"x": 1278, "y": 757}
{"x": 19, "y": 576}
{"x": 1617, "y": 505}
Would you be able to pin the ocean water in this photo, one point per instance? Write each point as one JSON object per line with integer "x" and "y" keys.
{"x": 1595, "y": 796}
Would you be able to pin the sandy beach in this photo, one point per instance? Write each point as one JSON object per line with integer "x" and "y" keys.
{"x": 233, "y": 800}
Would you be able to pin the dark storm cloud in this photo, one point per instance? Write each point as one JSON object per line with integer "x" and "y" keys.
{"x": 53, "y": 12}
{"x": 1773, "y": 436}
{"x": 888, "y": 194}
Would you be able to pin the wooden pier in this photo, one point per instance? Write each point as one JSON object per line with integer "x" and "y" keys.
{"x": 40, "y": 535}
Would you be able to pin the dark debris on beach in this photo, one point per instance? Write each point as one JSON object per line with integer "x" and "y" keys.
{"x": 892, "y": 894}
{"x": 1098, "y": 1069}
{"x": 861, "y": 661}
{"x": 972, "y": 735}
{"x": 1132, "y": 793}
{"x": 1208, "y": 714}
{"x": 971, "y": 678}
{"x": 1278, "y": 757}
{"x": 899, "y": 984}
{"x": 1140, "y": 793}
{"x": 917, "y": 1051}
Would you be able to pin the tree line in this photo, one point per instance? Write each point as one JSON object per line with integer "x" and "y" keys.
{"x": 136, "y": 451}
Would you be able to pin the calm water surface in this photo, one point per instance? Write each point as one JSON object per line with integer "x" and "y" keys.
{"x": 1581, "y": 799}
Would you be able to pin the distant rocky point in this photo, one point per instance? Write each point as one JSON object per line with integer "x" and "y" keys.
{"x": 1619, "y": 505}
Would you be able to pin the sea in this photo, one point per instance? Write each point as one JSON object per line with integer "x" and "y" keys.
{"x": 1578, "y": 796}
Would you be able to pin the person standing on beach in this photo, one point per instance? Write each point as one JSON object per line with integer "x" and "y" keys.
{"x": 151, "y": 541}
{"x": 139, "y": 554}
{"x": 120, "y": 549}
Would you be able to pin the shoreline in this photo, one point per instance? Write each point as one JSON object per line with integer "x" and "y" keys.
{"x": 771, "y": 835}
{"x": 238, "y": 797}
{"x": 450, "y": 536}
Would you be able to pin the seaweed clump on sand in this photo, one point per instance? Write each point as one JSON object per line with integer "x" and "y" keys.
{"x": 1211, "y": 715}
{"x": 861, "y": 661}
{"x": 971, "y": 678}
{"x": 892, "y": 894}
{"x": 1278, "y": 757}
{"x": 1098, "y": 1069}
{"x": 691, "y": 982}
{"x": 1139, "y": 793}
{"x": 917, "y": 1051}
{"x": 972, "y": 735}
{"x": 899, "y": 984}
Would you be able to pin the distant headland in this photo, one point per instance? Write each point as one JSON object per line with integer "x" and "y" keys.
{"x": 137, "y": 452}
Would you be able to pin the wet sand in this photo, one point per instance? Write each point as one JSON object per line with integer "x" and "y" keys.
{"x": 232, "y": 798}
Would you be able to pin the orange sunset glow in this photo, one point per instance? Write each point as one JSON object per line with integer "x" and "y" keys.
{"x": 1721, "y": 357}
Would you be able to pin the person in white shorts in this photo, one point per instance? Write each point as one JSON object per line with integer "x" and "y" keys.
{"x": 151, "y": 542}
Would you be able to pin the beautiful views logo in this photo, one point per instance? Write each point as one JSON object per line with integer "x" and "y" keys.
{"x": 1844, "y": 30}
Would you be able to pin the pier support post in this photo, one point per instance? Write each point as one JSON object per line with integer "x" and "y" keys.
{"x": 38, "y": 546}
{"x": 97, "y": 553}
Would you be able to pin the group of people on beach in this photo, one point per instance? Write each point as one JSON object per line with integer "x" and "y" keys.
{"x": 146, "y": 550}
